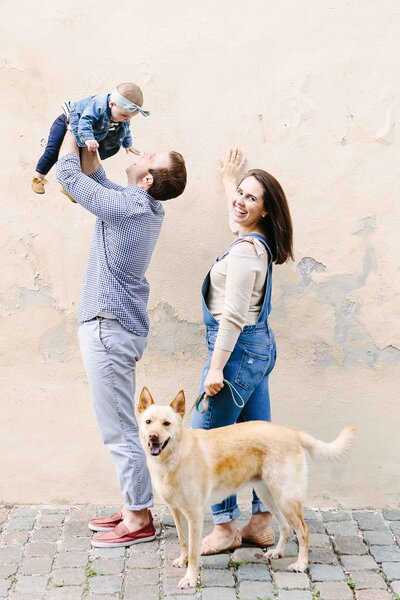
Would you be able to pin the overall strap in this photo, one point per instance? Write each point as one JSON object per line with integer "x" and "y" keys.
{"x": 266, "y": 306}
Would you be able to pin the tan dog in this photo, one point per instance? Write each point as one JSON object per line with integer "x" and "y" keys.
{"x": 191, "y": 468}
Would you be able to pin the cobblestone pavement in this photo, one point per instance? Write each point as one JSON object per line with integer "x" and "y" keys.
{"x": 45, "y": 553}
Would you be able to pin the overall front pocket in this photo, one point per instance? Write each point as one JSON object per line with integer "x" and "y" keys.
{"x": 252, "y": 368}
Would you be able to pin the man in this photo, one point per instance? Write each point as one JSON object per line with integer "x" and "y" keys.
{"x": 113, "y": 312}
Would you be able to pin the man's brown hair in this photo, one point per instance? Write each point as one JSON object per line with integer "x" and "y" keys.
{"x": 169, "y": 183}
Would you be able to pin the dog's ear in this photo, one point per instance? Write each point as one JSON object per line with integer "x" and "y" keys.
{"x": 145, "y": 400}
{"x": 178, "y": 403}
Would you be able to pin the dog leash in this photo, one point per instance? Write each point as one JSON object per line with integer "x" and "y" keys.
{"x": 200, "y": 398}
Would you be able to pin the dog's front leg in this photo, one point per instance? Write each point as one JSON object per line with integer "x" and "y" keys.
{"x": 195, "y": 522}
{"x": 182, "y": 560}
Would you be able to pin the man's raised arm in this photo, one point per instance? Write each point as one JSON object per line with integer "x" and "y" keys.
{"x": 108, "y": 204}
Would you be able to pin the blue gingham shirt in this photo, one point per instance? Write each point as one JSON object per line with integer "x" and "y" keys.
{"x": 127, "y": 227}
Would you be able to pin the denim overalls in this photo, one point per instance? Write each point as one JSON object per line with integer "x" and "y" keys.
{"x": 248, "y": 369}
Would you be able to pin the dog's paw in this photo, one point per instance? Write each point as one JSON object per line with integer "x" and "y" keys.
{"x": 180, "y": 562}
{"x": 187, "y": 582}
{"x": 298, "y": 566}
{"x": 274, "y": 553}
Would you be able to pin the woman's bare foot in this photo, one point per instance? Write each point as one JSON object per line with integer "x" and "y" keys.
{"x": 259, "y": 530}
{"x": 223, "y": 537}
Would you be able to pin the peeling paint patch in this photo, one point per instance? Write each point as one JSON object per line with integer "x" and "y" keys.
{"x": 54, "y": 344}
{"x": 305, "y": 267}
{"x": 39, "y": 297}
{"x": 174, "y": 337}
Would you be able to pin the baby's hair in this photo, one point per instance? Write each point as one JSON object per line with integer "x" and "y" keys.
{"x": 132, "y": 92}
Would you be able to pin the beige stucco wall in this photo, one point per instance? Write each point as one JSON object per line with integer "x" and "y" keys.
{"x": 310, "y": 91}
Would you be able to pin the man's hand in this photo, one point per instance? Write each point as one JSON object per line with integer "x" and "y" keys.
{"x": 92, "y": 145}
{"x": 133, "y": 150}
{"x": 231, "y": 165}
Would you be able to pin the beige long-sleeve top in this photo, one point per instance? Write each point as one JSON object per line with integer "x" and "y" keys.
{"x": 236, "y": 293}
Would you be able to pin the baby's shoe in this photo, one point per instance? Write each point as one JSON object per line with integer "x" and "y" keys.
{"x": 68, "y": 196}
{"x": 38, "y": 185}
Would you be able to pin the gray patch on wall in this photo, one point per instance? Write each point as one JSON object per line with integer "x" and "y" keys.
{"x": 355, "y": 343}
{"x": 304, "y": 268}
{"x": 174, "y": 337}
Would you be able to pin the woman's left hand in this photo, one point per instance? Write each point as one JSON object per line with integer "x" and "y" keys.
{"x": 214, "y": 382}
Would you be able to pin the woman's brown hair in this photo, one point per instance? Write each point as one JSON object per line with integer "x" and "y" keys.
{"x": 277, "y": 225}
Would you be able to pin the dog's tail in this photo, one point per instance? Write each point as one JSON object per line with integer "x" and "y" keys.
{"x": 328, "y": 451}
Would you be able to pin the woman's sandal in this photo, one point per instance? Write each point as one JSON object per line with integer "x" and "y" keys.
{"x": 262, "y": 539}
{"x": 207, "y": 549}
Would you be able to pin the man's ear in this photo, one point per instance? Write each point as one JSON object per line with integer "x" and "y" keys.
{"x": 146, "y": 182}
{"x": 145, "y": 400}
{"x": 178, "y": 403}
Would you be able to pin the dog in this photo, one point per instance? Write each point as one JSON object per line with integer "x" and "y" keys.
{"x": 191, "y": 468}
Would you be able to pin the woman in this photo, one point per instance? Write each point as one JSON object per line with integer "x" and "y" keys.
{"x": 236, "y": 304}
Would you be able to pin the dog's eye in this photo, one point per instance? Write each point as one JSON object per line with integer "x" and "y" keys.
{"x": 166, "y": 423}
{"x": 148, "y": 421}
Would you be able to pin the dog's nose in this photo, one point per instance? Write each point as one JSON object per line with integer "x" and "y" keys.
{"x": 153, "y": 437}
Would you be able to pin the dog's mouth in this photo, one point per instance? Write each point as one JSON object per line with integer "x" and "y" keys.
{"x": 156, "y": 447}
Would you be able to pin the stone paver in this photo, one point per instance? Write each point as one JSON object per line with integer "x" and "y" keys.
{"x": 391, "y": 570}
{"x": 64, "y": 593}
{"x": 36, "y": 566}
{"x": 369, "y": 520}
{"x": 150, "y": 592}
{"x": 45, "y": 554}
{"x": 378, "y": 538}
{"x": 385, "y": 553}
{"x": 291, "y": 580}
{"x": 71, "y": 576}
{"x": 326, "y": 573}
{"x": 217, "y": 578}
{"x": 253, "y": 572}
{"x": 359, "y": 563}
{"x": 391, "y": 514}
{"x": 334, "y": 590}
{"x": 28, "y": 584}
{"x": 349, "y": 545}
{"x": 322, "y": 556}
{"x": 254, "y": 590}
{"x": 373, "y": 595}
{"x": 365, "y": 580}
{"x": 395, "y": 585}
{"x": 218, "y": 594}
{"x": 336, "y": 515}
{"x": 342, "y": 528}
{"x": 247, "y": 555}
{"x": 107, "y": 584}
{"x": 295, "y": 595}
{"x": 219, "y": 561}
{"x": 319, "y": 540}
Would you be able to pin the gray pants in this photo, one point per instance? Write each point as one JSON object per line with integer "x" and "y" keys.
{"x": 109, "y": 353}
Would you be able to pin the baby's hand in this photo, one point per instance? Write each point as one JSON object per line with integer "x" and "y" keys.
{"x": 133, "y": 150}
{"x": 92, "y": 145}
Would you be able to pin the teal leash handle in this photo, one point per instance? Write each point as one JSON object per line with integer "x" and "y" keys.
{"x": 201, "y": 397}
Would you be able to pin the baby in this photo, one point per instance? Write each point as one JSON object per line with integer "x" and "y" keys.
{"x": 97, "y": 122}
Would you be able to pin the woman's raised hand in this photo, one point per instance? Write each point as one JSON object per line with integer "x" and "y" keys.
{"x": 231, "y": 165}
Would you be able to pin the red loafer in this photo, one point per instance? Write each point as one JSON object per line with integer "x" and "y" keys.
{"x": 120, "y": 536}
{"x": 105, "y": 524}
